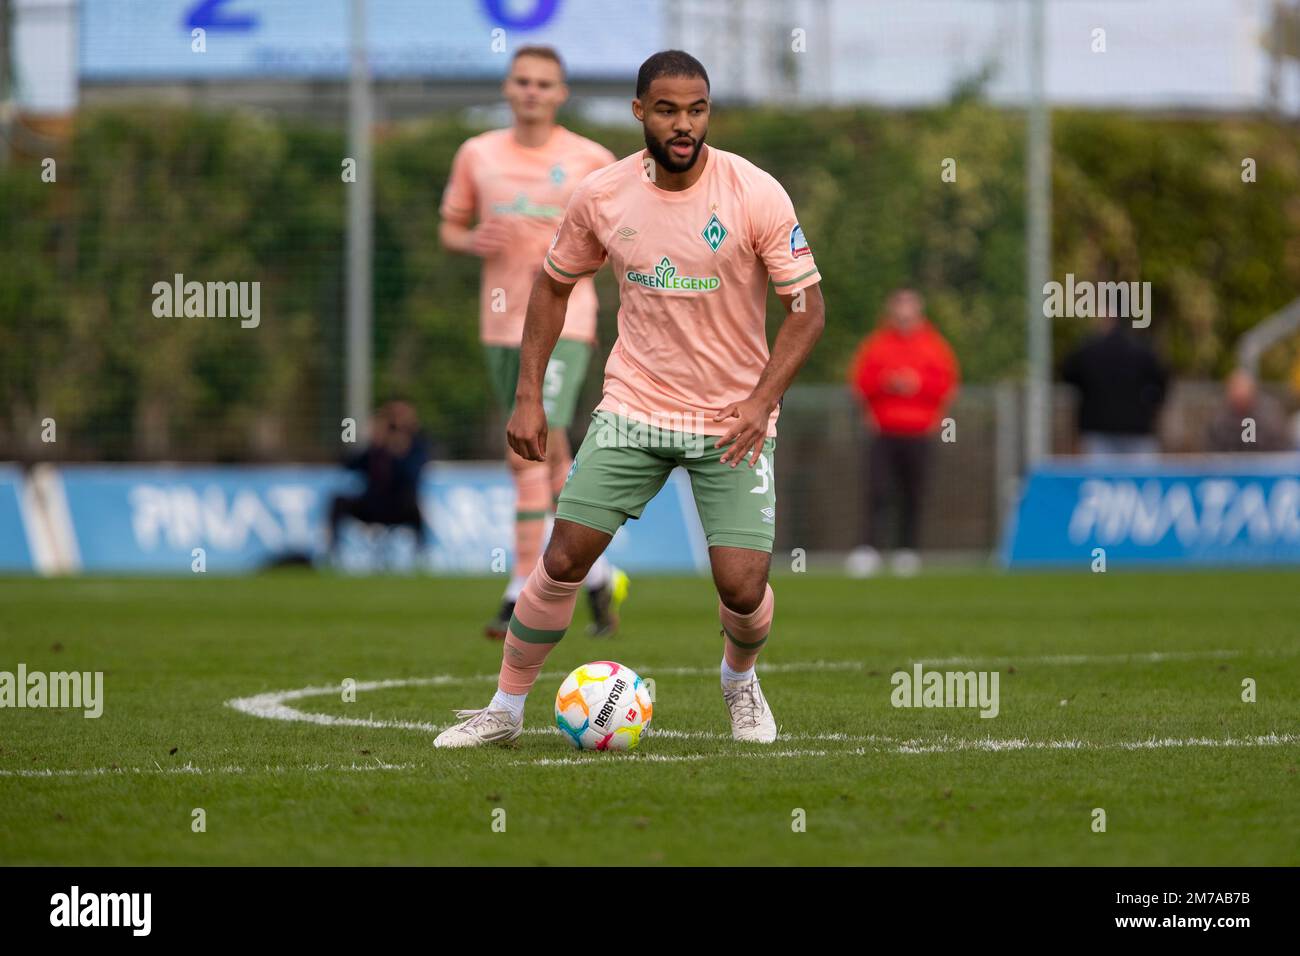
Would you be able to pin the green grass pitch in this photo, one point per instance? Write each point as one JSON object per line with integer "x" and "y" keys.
{"x": 1117, "y": 691}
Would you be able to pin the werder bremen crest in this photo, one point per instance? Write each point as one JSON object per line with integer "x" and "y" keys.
{"x": 714, "y": 232}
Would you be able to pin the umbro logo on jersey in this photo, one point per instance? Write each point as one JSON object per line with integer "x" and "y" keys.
{"x": 714, "y": 232}
{"x": 626, "y": 232}
{"x": 769, "y": 515}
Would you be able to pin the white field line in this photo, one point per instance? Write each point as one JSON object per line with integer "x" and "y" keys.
{"x": 190, "y": 770}
{"x": 1148, "y": 657}
{"x": 273, "y": 704}
{"x": 945, "y": 745}
{"x": 953, "y": 745}
{"x": 673, "y": 758}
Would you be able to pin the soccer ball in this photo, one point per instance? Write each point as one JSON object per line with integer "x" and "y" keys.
{"x": 603, "y": 706}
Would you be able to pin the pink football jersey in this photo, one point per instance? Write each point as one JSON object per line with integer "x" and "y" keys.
{"x": 692, "y": 269}
{"x": 493, "y": 177}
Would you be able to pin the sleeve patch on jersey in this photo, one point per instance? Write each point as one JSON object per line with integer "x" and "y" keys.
{"x": 798, "y": 245}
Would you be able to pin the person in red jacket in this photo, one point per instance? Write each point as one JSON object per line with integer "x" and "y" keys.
{"x": 904, "y": 374}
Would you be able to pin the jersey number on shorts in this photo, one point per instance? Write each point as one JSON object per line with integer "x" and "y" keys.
{"x": 553, "y": 381}
{"x": 764, "y": 473}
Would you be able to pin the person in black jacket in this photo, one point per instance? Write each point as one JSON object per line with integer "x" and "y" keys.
{"x": 392, "y": 464}
{"x": 1122, "y": 385}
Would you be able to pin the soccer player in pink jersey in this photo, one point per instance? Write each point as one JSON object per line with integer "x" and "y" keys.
{"x": 516, "y": 183}
{"x": 693, "y": 234}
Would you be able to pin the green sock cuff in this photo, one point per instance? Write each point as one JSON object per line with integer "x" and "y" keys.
{"x": 745, "y": 645}
{"x": 533, "y": 635}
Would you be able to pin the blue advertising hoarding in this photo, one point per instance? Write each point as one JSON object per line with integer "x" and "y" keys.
{"x": 149, "y": 519}
{"x": 1240, "y": 510}
{"x": 15, "y": 546}
{"x": 454, "y": 39}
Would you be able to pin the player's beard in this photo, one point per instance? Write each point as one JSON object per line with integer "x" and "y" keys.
{"x": 666, "y": 159}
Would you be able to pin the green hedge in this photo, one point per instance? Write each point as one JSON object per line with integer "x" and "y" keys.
{"x": 144, "y": 194}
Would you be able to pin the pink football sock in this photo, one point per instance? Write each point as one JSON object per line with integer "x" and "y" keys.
{"x": 532, "y": 501}
{"x": 745, "y": 634}
{"x": 542, "y": 615}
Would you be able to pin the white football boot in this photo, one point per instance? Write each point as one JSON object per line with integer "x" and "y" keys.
{"x": 751, "y": 718}
{"x": 478, "y": 727}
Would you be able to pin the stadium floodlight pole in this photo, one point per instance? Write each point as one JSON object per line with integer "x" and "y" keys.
{"x": 358, "y": 389}
{"x": 673, "y": 23}
{"x": 824, "y": 31}
{"x": 1038, "y": 239}
{"x": 6, "y": 107}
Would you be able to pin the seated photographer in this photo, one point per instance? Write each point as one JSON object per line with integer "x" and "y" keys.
{"x": 392, "y": 464}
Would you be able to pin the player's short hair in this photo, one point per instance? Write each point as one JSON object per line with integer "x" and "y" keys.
{"x": 668, "y": 63}
{"x": 543, "y": 52}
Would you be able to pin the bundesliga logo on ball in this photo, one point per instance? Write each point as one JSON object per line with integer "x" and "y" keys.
{"x": 603, "y": 706}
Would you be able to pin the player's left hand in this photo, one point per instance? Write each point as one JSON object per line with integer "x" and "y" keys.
{"x": 748, "y": 432}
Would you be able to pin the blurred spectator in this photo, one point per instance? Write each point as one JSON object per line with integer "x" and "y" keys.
{"x": 1122, "y": 385}
{"x": 1247, "y": 420}
{"x": 392, "y": 464}
{"x": 904, "y": 374}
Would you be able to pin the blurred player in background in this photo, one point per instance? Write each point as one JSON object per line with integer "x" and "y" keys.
{"x": 516, "y": 183}
{"x": 693, "y": 234}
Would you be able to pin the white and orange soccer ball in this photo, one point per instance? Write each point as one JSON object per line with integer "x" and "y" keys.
{"x": 603, "y": 706}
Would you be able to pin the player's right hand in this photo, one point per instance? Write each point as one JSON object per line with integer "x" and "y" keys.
{"x": 526, "y": 431}
{"x": 489, "y": 238}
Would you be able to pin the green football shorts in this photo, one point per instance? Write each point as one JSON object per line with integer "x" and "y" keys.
{"x": 622, "y": 464}
{"x": 565, "y": 373}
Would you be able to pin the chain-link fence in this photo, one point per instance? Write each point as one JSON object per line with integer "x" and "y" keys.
{"x": 824, "y": 447}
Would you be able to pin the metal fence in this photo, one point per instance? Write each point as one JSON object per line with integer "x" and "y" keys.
{"x": 823, "y": 449}
{"x": 822, "y": 454}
